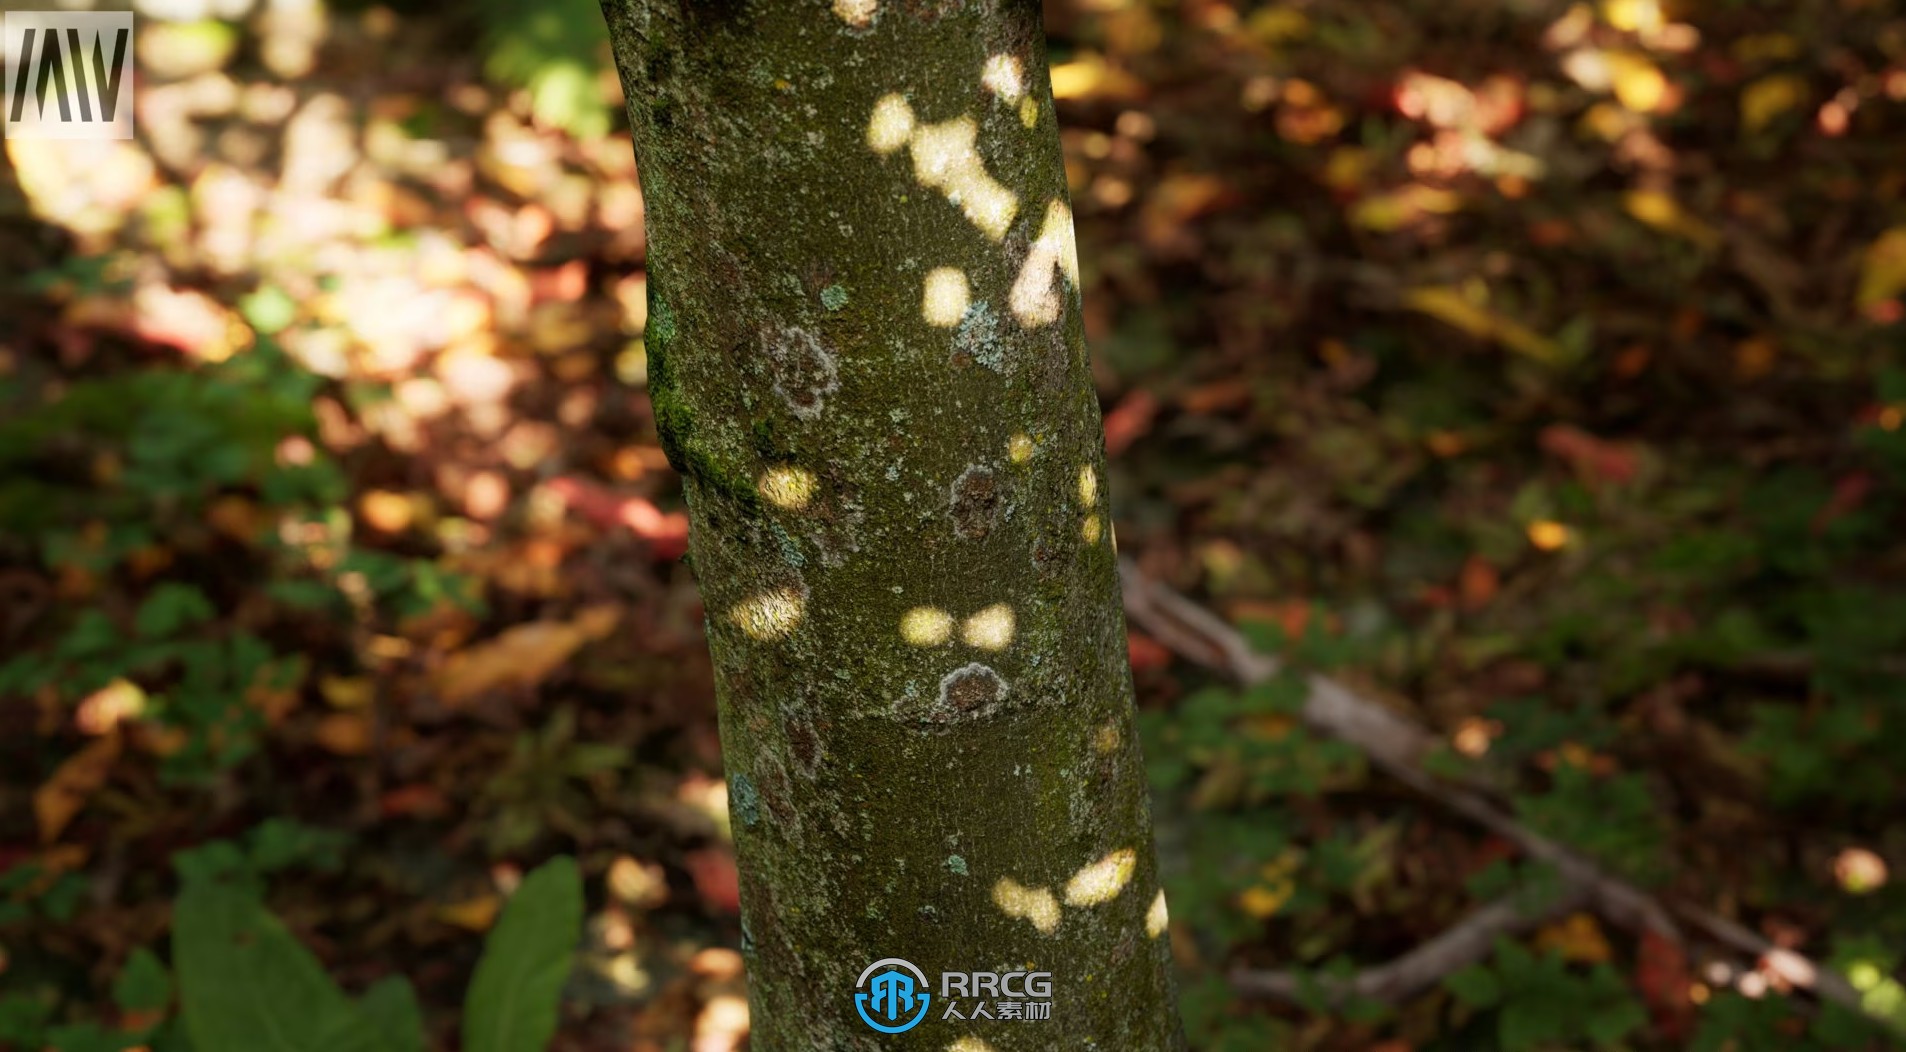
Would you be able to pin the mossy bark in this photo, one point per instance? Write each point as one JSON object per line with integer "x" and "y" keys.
{"x": 866, "y": 360}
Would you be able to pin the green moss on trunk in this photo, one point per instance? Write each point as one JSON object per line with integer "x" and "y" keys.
{"x": 868, "y": 364}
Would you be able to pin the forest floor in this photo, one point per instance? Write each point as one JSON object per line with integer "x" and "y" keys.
{"x": 1537, "y": 369}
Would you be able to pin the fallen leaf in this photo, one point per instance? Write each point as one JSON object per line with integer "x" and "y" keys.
{"x": 1128, "y": 421}
{"x": 1661, "y": 974}
{"x": 104, "y": 709}
{"x": 1451, "y": 306}
{"x": 73, "y": 783}
{"x": 1662, "y": 212}
{"x": 1883, "y": 270}
{"x": 1478, "y": 583}
{"x": 1767, "y": 98}
{"x": 1594, "y": 459}
{"x": 1638, "y": 82}
{"x": 347, "y": 692}
{"x": 476, "y": 914}
{"x": 1145, "y": 652}
{"x": 1576, "y": 938}
{"x": 344, "y": 733}
{"x": 522, "y": 656}
{"x": 715, "y": 878}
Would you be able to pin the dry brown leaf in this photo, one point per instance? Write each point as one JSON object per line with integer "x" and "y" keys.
{"x": 1453, "y": 306}
{"x": 476, "y": 914}
{"x": 344, "y": 733}
{"x": 61, "y": 797}
{"x": 522, "y": 656}
{"x": 1577, "y": 938}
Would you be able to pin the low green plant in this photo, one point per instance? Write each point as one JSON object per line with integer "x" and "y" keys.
{"x": 246, "y": 983}
{"x": 1541, "y": 1002}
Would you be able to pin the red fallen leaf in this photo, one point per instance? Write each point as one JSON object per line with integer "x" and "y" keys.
{"x": 716, "y": 878}
{"x": 1848, "y": 494}
{"x": 1478, "y": 583}
{"x": 1129, "y": 421}
{"x": 1595, "y": 459}
{"x": 564, "y": 284}
{"x": 1661, "y": 974}
{"x": 1145, "y": 652}
{"x": 666, "y": 531}
{"x": 423, "y": 801}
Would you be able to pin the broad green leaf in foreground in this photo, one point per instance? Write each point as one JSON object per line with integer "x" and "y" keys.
{"x": 513, "y": 999}
{"x": 247, "y": 985}
{"x": 391, "y": 1006}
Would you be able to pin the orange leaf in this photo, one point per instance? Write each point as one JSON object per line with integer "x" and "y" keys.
{"x": 475, "y": 914}
{"x": 1145, "y": 652}
{"x": 1577, "y": 938}
{"x": 1129, "y": 420}
{"x": 56, "y": 802}
{"x": 1595, "y": 459}
{"x": 344, "y": 733}
{"x": 522, "y": 656}
{"x": 1661, "y": 974}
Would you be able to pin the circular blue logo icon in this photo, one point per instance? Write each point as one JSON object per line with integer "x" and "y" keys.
{"x": 887, "y": 994}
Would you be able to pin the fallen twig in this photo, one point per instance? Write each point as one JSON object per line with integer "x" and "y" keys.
{"x": 1467, "y": 942}
{"x": 1396, "y": 746}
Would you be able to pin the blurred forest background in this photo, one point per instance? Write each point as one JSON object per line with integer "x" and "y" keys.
{"x": 1533, "y": 366}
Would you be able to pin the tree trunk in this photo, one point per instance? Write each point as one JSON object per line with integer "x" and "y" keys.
{"x": 866, "y": 361}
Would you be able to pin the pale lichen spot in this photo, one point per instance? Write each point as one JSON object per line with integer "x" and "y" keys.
{"x": 891, "y": 126}
{"x": 787, "y": 487}
{"x": 944, "y": 297}
{"x": 1036, "y": 905}
{"x": 990, "y": 629}
{"x": 1091, "y": 529}
{"x": 770, "y": 615}
{"x": 970, "y": 691}
{"x": 1035, "y": 296}
{"x": 1101, "y": 881}
{"x": 926, "y": 626}
{"x": 1003, "y": 78}
{"x": 1019, "y": 448}
{"x": 857, "y": 13}
{"x": 946, "y": 158}
{"x": 1158, "y": 917}
{"x": 1088, "y": 485}
{"x": 974, "y": 501}
{"x": 804, "y": 370}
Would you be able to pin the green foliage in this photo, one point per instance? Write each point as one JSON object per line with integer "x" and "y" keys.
{"x": 557, "y": 51}
{"x": 130, "y": 466}
{"x": 246, "y": 983}
{"x": 518, "y": 985}
{"x": 539, "y": 785}
{"x": 1540, "y": 1002}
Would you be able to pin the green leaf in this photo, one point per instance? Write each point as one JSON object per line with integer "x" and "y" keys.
{"x": 1475, "y": 986}
{"x": 391, "y": 1007}
{"x": 514, "y": 997}
{"x": 143, "y": 984}
{"x": 247, "y": 985}
{"x": 270, "y": 310}
{"x": 89, "y": 1037}
{"x": 170, "y": 607}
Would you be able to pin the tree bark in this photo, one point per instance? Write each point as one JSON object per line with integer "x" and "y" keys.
{"x": 866, "y": 361}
